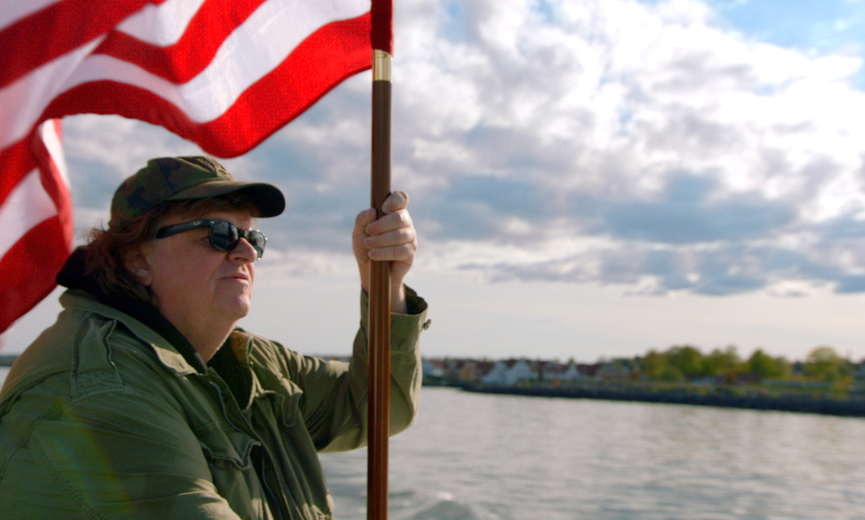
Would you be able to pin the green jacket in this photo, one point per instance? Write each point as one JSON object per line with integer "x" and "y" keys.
{"x": 101, "y": 417}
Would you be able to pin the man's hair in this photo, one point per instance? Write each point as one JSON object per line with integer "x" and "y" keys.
{"x": 107, "y": 248}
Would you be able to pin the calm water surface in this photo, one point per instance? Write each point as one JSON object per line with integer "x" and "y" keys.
{"x": 474, "y": 456}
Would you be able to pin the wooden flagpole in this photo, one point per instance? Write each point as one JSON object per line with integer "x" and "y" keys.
{"x": 381, "y": 38}
{"x": 380, "y": 298}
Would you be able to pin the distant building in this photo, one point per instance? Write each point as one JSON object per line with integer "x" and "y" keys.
{"x": 559, "y": 373}
{"x": 858, "y": 386}
{"x": 433, "y": 368}
{"x": 572, "y": 373}
{"x": 505, "y": 372}
{"x": 509, "y": 372}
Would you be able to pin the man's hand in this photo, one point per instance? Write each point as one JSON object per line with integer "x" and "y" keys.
{"x": 390, "y": 238}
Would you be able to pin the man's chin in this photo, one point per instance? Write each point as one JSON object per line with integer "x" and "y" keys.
{"x": 238, "y": 308}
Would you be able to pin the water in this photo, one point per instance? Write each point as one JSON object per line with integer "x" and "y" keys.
{"x": 474, "y": 456}
{"x": 477, "y": 457}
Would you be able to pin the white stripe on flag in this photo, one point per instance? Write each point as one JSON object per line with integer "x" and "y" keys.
{"x": 22, "y": 102}
{"x": 254, "y": 49}
{"x": 16, "y": 10}
{"x": 26, "y": 206}
{"x": 161, "y": 25}
{"x": 50, "y": 134}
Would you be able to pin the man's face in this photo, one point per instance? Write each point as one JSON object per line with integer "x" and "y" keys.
{"x": 195, "y": 285}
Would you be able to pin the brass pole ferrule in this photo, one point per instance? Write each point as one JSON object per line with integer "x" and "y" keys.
{"x": 381, "y": 65}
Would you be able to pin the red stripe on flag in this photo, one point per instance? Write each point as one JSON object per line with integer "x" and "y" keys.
{"x": 381, "y": 32}
{"x": 179, "y": 63}
{"x": 70, "y": 24}
{"x": 27, "y": 271}
{"x": 311, "y": 71}
{"x": 17, "y": 163}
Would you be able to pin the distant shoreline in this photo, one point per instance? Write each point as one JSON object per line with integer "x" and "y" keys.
{"x": 846, "y": 407}
{"x": 700, "y": 396}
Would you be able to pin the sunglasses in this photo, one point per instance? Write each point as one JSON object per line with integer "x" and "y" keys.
{"x": 224, "y": 235}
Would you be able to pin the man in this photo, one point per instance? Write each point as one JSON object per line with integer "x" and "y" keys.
{"x": 144, "y": 400}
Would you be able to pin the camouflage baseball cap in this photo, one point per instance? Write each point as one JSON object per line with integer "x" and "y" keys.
{"x": 183, "y": 178}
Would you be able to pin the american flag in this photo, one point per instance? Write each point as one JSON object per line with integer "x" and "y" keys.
{"x": 225, "y": 74}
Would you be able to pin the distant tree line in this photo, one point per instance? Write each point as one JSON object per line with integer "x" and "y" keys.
{"x": 682, "y": 363}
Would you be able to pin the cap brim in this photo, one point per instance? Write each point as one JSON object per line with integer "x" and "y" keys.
{"x": 266, "y": 197}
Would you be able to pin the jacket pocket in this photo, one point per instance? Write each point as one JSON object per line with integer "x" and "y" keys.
{"x": 286, "y": 407}
{"x": 226, "y": 447}
{"x": 282, "y": 397}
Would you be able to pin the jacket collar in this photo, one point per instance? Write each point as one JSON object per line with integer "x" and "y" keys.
{"x": 142, "y": 318}
{"x": 165, "y": 351}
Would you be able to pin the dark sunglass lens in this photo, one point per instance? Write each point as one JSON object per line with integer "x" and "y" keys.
{"x": 223, "y": 235}
{"x": 258, "y": 241}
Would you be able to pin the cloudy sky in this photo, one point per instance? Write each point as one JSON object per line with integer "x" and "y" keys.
{"x": 589, "y": 179}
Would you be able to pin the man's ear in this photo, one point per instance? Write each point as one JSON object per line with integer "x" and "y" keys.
{"x": 136, "y": 263}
